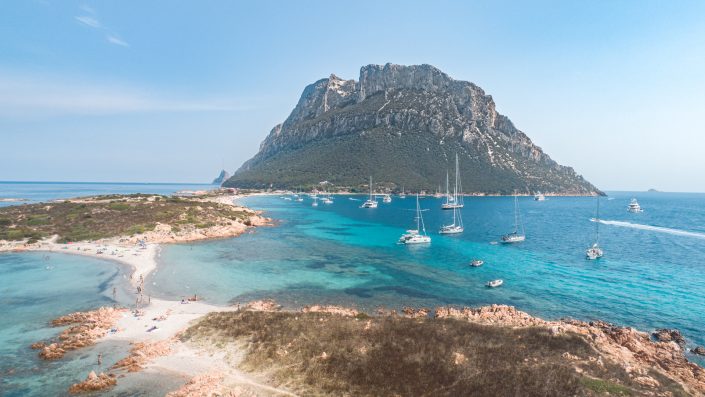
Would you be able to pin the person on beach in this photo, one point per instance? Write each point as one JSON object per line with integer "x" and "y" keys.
{"x": 100, "y": 359}
{"x": 114, "y": 293}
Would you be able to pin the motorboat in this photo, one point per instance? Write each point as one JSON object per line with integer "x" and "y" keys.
{"x": 495, "y": 283}
{"x": 539, "y": 197}
{"x": 634, "y": 206}
{"x": 477, "y": 263}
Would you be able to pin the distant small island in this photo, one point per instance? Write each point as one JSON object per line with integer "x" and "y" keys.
{"x": 652, "y": 190}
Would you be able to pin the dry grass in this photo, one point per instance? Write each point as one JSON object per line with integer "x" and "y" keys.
{"x": 328, "y": 355}
{"x": 109, "y": 216}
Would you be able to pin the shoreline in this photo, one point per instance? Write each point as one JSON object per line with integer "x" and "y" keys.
{"x": 172, "y": 316}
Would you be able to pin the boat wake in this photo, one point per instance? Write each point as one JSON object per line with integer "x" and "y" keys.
{"x": 353, "y": 199}
{"x": 659, "y": 229}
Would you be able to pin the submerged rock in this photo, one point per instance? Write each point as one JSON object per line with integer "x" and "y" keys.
{"x": 93, "y": 382}
{"x": 700, "y": 350}
{"x": 669, "y": 335}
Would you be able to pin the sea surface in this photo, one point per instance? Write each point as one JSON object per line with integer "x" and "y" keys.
{"x": 652, "y": 274}
{"x": 34, "y": 192}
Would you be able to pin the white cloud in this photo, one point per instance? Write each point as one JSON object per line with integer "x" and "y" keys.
{"x": 92, "y": 21}
{"x": 116, "y": 40}
{"x": 89, "y": 21}
{"x": 25, "y": 96}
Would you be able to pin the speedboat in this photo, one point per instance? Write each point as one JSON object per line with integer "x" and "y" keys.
{"x": 495, "y": 283}
{"x": 299, "y": 199}
{"x": 594, "y": 252}
{"x": 634, "y": 206}
{"x": 477, "y": 263}
{"x": 539, "y": 197}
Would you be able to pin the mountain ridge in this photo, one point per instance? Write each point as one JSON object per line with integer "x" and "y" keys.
{"x": 344, "y": 130}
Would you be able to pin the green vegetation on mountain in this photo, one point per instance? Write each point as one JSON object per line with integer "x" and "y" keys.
{"x": 403, "y": 125}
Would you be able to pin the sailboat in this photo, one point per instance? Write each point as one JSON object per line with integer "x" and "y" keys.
{"x": 456, "y": 200}
{"x": 403, "y": 194}
{"x": 595, "y": 252}
{"x": 454, "y": 203}
{"x": 417, "y": 236}
{"x": 315, "y": 201}
{"x": 515, "y": 236}
{"x": 371, "y": 202}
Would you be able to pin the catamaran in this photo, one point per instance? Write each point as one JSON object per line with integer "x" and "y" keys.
{"x": 595, "y": 251}
{"x": 371, "y": 202}
{"x": 515, "y": 236}
{"x": 634, "y": 206}
{"x": 417, "y": 236}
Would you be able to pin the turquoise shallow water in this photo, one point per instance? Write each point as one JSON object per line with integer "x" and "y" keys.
{"x": 34, "y": 289}
{"x": 342, "y": 254}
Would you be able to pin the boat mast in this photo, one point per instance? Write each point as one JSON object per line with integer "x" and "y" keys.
{"x": 370, "y": 187}
{"x": 516, "y": 214}
{"x": 597, "y": 222}
{"x": 447, "y": 189}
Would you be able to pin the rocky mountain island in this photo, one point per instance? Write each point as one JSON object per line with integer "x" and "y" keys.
{"x": 403, "y": 126}
{"x": 222, "y": 177}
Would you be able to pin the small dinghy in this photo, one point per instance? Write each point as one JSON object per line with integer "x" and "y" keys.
{"x": 495, "y": 283}
{"x": 477, "y": 263}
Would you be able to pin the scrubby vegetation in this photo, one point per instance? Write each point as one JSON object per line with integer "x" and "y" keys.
{"x": 109, "y": 216}
{"x": 329, "y": 355}
{"x": 346, "y": 145}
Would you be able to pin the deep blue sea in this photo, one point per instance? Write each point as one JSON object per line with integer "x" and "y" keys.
{"x": 652, "y": 274}
{"x": 34, "y": 192}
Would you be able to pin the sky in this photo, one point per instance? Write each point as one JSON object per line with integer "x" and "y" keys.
{"x": 165, "y": 91}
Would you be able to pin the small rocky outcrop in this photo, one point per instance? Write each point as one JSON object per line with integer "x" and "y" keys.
{"x": 700, "y": 350}
{"x": 143, "y": 352}
{"x": 341, "y": 311}
{"x": 263, "y": 305}
{"x": 669, "y": 335}
{"x": 85, "y": 328}
{"x": 93, "y": 382}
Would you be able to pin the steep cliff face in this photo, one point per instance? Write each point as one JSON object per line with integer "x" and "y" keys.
{"x": 403, "y": 125}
